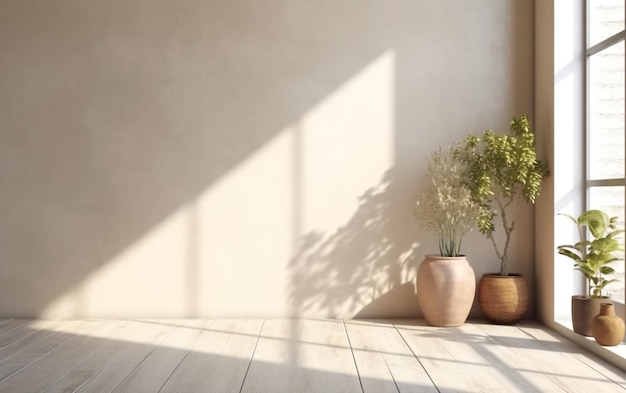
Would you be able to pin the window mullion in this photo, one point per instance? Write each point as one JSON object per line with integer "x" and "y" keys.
{"x": 599, "y": 47}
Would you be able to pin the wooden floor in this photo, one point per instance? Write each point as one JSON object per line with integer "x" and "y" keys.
{"x": 293, "y": 356}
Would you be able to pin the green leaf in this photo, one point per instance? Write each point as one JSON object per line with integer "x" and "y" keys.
{"x": 607, "y": 270}
{"x": 588, "y": 273}
{"x": 569, "y": 254}
{"x": 568, "y": 216}
{"x": 596, "y": 220}
{"x": 503, "y": 170}
{"x": 607, "y": 282}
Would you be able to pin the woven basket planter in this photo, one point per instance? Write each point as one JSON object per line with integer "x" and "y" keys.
{"x": 503, "y": 300}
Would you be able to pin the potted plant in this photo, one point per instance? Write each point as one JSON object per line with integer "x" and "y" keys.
{"x": 446, "y": 283}
{"x": 503, "y": 172}
{"x": 592, "y": 258}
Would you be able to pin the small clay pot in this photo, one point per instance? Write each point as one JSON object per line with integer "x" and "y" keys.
{"x": 607, "y": 328}
{"x": 584, "y": 309}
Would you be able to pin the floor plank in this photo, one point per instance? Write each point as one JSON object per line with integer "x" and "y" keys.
{"x": 523, "y": 359}
{"x": 294, "y": 356}
{"x": 11, "y": 326}
{"x": 152, "y": 373}
{"x": 384, "y": 361}
{"x": 557, "y": 344}
{"x": 56, "y": 363}
{"x": 10, "y": 338}
{"x": 93, "y": 364}
{"x": 219, "y": 360}
{"x": 302, "y": 356}
{"x": 21, "y": 354}
{"x": 140, "y": 338}
{"x": 457, "y": 361}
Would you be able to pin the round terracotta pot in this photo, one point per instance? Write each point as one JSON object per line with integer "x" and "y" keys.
{"x": 607, "y": 328}
{"x": 503, "y": 300}
{"x": 445, "y": 289}
{"x": 584, "y": 309}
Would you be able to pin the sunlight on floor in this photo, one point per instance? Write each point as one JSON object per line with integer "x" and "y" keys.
{"x": 294, "y": 354}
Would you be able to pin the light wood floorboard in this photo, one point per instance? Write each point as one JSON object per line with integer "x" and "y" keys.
{"x": 604, "y": 371}
{"x": 278, "y": 355}
{"x": 303, "y": 356}
{"x": 384, "y": 361}
{"x": 140, "y": 339}
{"x": 164, "y": 359}
{"x": 90, "y": 366}
{"x": 48, "y": 369}
{"x": 219, "y": 360}
{"x": 19, "y": 357}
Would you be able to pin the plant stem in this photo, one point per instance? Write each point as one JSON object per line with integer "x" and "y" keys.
{"x": 583, "y": 252}
{"x": 508, "y": 229}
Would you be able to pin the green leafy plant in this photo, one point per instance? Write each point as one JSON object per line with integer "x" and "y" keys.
{"x": 503, "y": 171}
{"x": 592, "y": 257}
{"x": 445, "y": 205}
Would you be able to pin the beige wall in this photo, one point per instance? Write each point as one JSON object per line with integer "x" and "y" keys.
{"x": 199, "y": 158}
{"x": 544, "y": 111}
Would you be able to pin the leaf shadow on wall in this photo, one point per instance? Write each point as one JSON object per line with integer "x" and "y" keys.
{"x": 366, "y": 268}
{"x": 119, "y": 119}
{"x": 141, "y": 123}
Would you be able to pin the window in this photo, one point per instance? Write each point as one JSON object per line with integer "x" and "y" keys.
{"x": 605, "y": 139}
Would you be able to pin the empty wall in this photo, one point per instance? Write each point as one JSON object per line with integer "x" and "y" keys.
{"x": 200, "y": 158}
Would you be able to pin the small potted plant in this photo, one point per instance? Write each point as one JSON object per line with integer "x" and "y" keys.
{"x": 503, "y": 172}
{"x": 446, "y": 282}
{"x": 592, "y": 258}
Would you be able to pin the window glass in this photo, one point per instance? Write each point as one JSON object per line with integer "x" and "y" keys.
{"x": 606, "y": 114}
{"x": 606, "y": 18}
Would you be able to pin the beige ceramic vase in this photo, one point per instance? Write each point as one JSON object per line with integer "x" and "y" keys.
{"x": 445, "y": 289}
{"x": 607, "y": 328}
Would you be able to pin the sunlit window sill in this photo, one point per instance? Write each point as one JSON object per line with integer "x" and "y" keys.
{"x": 615, "y": 354}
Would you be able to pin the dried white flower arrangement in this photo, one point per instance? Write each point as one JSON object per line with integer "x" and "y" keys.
{"x": 445, "y": 205}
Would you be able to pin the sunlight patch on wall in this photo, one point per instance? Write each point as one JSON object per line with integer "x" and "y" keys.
{"x": 143, "y": 280}
{"x": 248, "y": 233}
{"x": 344, "y": 258}
{"x": 233, "y": 249}
{"x": 347, "y": 145}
